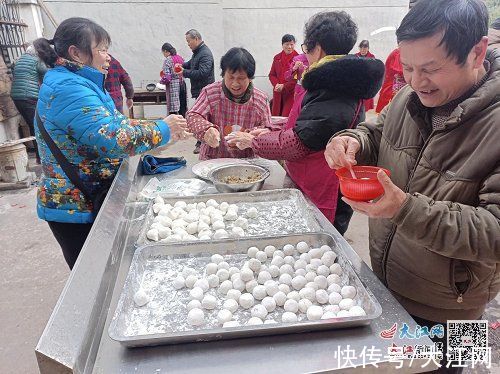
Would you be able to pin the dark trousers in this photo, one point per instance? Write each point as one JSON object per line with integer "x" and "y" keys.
{"x": 71, "y": 237}
{"x": 443, "y": 368}
{"x": 343, "y": 215}
{"x": 27, "y": 110}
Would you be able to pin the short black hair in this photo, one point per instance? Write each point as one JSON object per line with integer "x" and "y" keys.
{"x": 238, "y": 59}
{"x": 364, "y": 44}
{"x": 335, "y": 32}
{"x": 496, "y": 24}
{"x": 287, "y": 38}
{"x": 169, "y": 48}
{"x": 462, "y": 22}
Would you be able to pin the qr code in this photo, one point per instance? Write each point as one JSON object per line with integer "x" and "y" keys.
{"x": 467, "y": 340}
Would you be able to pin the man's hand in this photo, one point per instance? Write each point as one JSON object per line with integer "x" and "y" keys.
{"x": 242, "y": 140}
{"x": 130, "y": 103}
{"x": 212, "y": 137}
{"x": 341, "y": 152}
{"x": 297, "y": 65}
{"x": 279, "y": 87}
{"x": 387, "y": 206}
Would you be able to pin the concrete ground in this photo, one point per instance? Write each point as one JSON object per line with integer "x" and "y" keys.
{"x": 33, "y": 273}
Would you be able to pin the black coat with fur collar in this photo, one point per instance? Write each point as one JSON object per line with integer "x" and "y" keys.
{"x": 334, "y": 91}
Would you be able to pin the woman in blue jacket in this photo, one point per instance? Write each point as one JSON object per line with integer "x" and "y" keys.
{"x": 81, "y": 118}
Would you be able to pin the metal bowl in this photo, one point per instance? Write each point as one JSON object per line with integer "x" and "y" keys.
{"x": 151, "y": 87}
{"x": 217, "y": 176}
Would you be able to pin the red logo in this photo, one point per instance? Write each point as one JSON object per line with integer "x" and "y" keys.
{"x": 389, "y": 334}
{"x": 495, "y": 325}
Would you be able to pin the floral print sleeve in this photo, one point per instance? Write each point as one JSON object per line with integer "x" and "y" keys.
{"x": 110, "y": 133}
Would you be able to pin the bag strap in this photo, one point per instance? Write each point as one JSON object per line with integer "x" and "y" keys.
{"x": 358, "y": 109}
{"x": 68, "y": 168}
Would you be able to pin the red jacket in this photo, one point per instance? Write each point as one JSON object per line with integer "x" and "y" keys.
{"x": 282, "y": 101}
{"x": 393, "y": 82}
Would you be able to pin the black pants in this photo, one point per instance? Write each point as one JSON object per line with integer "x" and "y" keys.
{"x": 71, "y": 237}
{"x": 343, "y": 215}
{"x": 27, "y": 110}
{"x": 443, "y": 368}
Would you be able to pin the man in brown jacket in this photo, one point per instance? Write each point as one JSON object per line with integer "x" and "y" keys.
{"x": 435, "y": 234}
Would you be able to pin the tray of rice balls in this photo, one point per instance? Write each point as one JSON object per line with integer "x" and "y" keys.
{"x": 230, "y": 215}
{"x": 188, "y": 292}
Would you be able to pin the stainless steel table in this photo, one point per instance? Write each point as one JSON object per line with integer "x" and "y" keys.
{"x": 76, "y": 339}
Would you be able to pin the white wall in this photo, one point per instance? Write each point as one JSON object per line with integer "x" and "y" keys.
{"x": 138, "y": 28}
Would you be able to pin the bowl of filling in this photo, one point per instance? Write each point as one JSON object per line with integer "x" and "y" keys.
{"x": 238, "y": 178}
{"x": 365, "y": 186}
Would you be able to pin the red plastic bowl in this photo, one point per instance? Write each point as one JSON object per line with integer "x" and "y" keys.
{"x": 366, "y": 187}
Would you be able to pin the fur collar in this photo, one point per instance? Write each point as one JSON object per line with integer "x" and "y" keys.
{"x": 351, "y": 75}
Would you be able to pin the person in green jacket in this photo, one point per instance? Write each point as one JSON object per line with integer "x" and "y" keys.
{"x": 28, "y": 72}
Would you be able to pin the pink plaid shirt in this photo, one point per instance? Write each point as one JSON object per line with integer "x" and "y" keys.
{"x": 214, "y": 109}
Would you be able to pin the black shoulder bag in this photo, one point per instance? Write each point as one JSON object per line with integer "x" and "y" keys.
{"x": 72, "y": 172}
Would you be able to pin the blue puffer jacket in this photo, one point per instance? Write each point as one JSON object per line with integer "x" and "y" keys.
{"x": 81, "y": 118}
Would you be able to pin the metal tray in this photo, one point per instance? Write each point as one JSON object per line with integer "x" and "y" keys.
{"x": 282, "y": 211}
{"x": 163, "y": 319}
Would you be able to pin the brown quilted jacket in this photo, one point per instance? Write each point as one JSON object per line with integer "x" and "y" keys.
{"x": 440, "y": 254}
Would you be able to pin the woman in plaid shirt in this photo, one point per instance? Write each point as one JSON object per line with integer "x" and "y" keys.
{"x": 231, "y": 105}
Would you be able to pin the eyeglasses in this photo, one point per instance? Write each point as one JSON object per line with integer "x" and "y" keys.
{"x": 303, "y": 46}
{"x": 102, "y": 52}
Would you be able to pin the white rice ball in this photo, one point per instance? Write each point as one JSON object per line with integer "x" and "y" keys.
{"x": 241, "y": 222}
{"x": 274, "y": 271}
{"x": 291, "y": 306}
{"x": 254, "y": 264}
{"x": 233, "y": 294}
{"x": 284, "y": 288}
{"x": 254, "y": 321}
{"x": 269, "y": 250}
{"x": 334, "y": 298}
{"x": 293, "y": 295}
{"x": 246, "y": 301}
{"x": 196, "y": 293}
{"x": 252, "y": 213}
{"x": 239, "y": 285}
{"x": 220, "y": 234}
{"x": 269, "y": 303}
{"x": 237, "y": 232}
{"x": 278, "y": 253}
{"x": 285, "y": 278}
{"x": 152, "y": 234}
{"x": 223, "y": 274}
{"x": 250, "y": 285}
{"x": 225, "y": 286}
{"x": 328, "y": 258}
{"x": 194, "y": 304}
{"x": 252, "y": 251}
{"x": 209, "y": 302}
{"x": 299, "y": 282}
{"x": 277, "y": 261}
{"x": 288, "y": 317}
{"x": 259, "y": 311}
{"x": 179, "y": 282}
{"x": 308, "y": 293}
{"x": 259, "y": 292}
{"x": 261, "y": 256}
{"x": 280, "y": 298}
{"x": 329, "y": 315}
{"x": 246, "y": 274}
{"x": 231, "y": 305}
{"x": 322, "y": 296}
{"x": 357, "y": 311}
{"x": 224, "y": 316}
{"x": 302, "y": 247}
{"x": 196, "y": 317}
{"x": 336, "y": 269}
{"x": 263, "y": 277}
{"x": 191, "y": 280}
{"x": 321, "y": 281}
{"x": 334, "y": 287}
{"x": 141, "y": 298}
{"x": 348, "y": 292}
{"x": 288, "y": 250}
{"x": 213, "y": 280}
{"x": 216, "y": 258}
{"x": 304, "y": 304}
{"x": 203, "y": 284}
{"x": 314, "y": 313}
{"x": 287, "y": 269}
